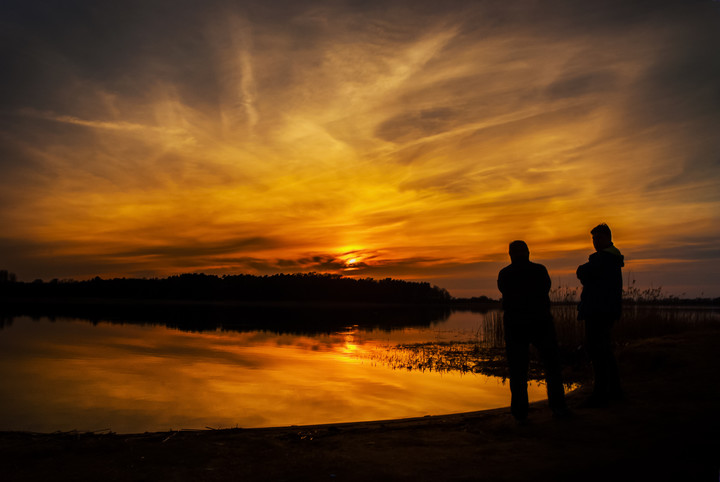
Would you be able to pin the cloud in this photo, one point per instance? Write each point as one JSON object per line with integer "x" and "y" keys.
{"x": 580, "y": 85}
{"x": 686, "y": 250}
{"x": 252, "y": 136}
{"x": 96, "y": 124}
{"x": 199, "y": 249}
{"x": 417, "y": 124}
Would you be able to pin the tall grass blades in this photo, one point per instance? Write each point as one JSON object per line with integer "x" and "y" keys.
{"x": 483, "y": 351}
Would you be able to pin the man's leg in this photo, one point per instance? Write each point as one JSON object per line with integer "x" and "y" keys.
{"x": 599, "y": 345}
{"x": 546, "y": 343}
{"x": 516, "y": 345}
{"x": 615, "y": 391}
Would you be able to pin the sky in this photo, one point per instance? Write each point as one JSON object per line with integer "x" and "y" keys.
{"x": 411, "y": 140}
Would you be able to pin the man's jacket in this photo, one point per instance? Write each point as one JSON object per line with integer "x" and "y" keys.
{"x": 601, "y": 278}
{"x": 524, "y": 287}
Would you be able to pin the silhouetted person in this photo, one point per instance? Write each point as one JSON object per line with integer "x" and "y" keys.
{"x": 600, "y": 307}
{"x": 525, "y": 286}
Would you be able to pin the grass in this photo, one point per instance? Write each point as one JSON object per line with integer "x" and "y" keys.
{"x": 485, "y": 353}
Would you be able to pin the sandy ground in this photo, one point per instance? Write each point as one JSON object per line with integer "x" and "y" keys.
{"x": 666, "y": 430}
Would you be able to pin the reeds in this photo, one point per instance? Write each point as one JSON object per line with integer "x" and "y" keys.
{"x": 484, "y": 351}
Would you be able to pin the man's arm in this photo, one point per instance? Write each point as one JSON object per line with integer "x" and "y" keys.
{"x": 587, "y": 271}
{"x": 501, "y": 282}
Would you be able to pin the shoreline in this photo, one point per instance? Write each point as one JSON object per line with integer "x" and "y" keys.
{"x": 667, "y": 430}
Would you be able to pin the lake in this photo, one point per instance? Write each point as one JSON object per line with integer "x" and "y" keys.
{"x": 72, "y": 374}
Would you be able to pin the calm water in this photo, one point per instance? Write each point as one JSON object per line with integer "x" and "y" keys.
{"x": 73, "y": 374}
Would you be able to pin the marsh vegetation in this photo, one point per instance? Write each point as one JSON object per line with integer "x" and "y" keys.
{"x": 483, "y": 351}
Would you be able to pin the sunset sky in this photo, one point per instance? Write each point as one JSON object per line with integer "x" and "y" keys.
{"x": 411, "y": 140}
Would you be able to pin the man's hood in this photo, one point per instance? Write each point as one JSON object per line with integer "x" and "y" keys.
{"x": 615, "y": 252}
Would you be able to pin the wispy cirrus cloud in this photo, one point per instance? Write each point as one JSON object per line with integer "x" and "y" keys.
{"x": 424, "y": 136}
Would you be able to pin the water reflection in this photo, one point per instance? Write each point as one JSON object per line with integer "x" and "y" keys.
{"x": 67, "y": 375}
{"x": 144, "y": 376}
{"x": 199, "y": 316}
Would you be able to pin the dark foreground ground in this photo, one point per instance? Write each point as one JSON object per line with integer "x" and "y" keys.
{"x": 667, "y": 430}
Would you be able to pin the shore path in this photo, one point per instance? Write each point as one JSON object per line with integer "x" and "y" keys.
{"x": 668, "y": 429}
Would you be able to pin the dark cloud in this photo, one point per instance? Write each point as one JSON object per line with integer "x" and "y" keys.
{"x": 201, "y": 249}
{"x": 48, "y": 264}
{"x": 370, "y": 265}
{"x": 414, "y": 125}
{"x": 33, "y": 259}
{"x": 681, "y": 84}
{"x": 582, "y": 84}
{"x": 55, "y": 52}
{"x": 694, "y": 178}
{"x": 688, "y": 249}
{"x": 458, "y": 181}
{"x": 60, "y": 54}
{"x": 676, "y": 101}
{"x": 321, "y": 263}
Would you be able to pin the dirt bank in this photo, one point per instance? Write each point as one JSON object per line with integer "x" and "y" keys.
{"x": 667, "y": 430}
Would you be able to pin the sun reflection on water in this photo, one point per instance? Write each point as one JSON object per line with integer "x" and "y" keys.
{"x": 75, "y": 375}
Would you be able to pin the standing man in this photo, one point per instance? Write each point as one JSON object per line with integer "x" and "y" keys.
{"x": 600, "y": 307}
{"x": 525, "y": 286}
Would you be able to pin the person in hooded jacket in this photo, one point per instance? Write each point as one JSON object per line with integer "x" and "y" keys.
{"x": 600, "y": 307}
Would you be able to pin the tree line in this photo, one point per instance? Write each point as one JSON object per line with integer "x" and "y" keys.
{"x": 243, "y": 287}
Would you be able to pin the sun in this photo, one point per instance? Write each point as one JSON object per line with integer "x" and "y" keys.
{"x": 350, "y": 264}
{"x": 350, "y": 258}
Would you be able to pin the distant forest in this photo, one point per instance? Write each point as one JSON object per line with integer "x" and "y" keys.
{"x": 303, "y": 287}
{"x": 296, "y": 288}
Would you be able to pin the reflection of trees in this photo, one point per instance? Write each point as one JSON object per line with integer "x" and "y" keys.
{"x": 239, "y": 300}
{"x": 285, "y": 302}
{"x": 210, "y": 316}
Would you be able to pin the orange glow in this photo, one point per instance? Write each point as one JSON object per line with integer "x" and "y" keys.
{"x": 387, "y": 144}
{"x": 137, "y": 378}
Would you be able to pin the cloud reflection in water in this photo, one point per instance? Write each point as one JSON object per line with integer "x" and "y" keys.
{"x": 72, "y": 375}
